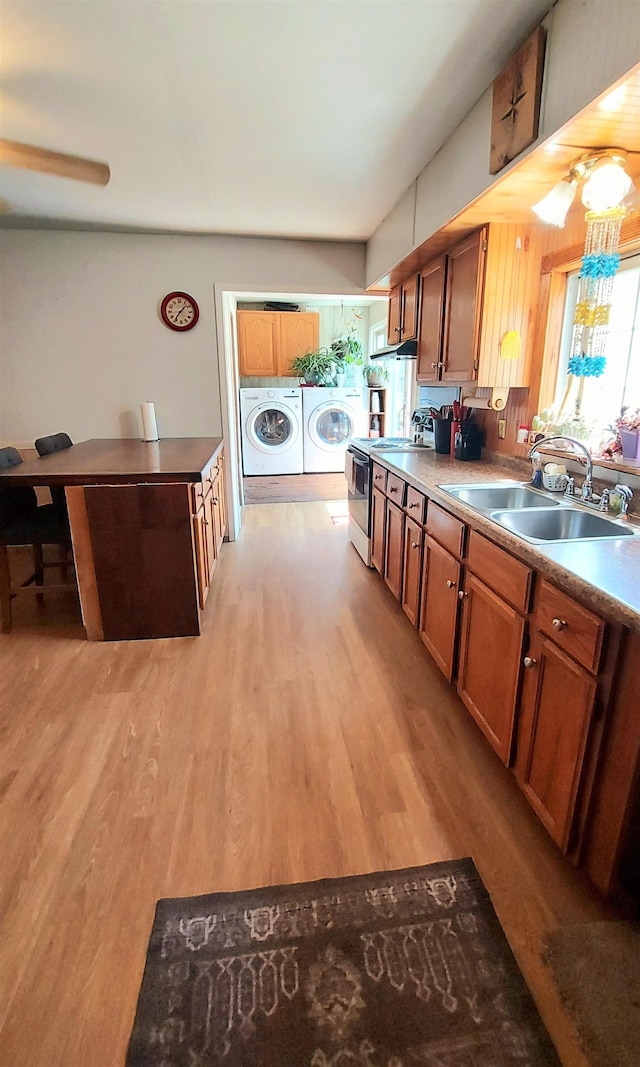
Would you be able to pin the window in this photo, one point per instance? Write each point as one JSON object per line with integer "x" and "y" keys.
{"x": 378, "y": 337}
{"x": 620, "y": 384}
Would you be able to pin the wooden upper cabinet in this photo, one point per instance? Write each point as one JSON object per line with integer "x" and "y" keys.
{"x": 394, "y": 315}
{"x": 269, "y": 340}
{"x": 431, "y": 324}
{"x": 556, "y": 711}
{"x": 402, "y": 321}
{"x": 464, "y": 291}
{"x": 299, "y": 333}
{"x": 258, "y": 335}
{"x": 409, "y": 309}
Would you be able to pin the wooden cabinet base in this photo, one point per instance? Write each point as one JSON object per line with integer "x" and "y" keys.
{"x": 139, "y": 540}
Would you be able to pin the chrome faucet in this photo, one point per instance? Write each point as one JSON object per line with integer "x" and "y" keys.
{"x": 586, "y": 492}
{"x": 625, "y": 494}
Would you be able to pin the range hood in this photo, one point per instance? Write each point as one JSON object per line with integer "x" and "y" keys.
{"x": 405, "y": 350}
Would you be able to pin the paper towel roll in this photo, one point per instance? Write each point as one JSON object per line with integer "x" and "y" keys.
{"x": 149, "y": 425}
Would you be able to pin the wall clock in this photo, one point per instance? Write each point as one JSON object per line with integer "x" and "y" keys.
{"x": 179, "y": 311}
{"x": 517, "y": 91}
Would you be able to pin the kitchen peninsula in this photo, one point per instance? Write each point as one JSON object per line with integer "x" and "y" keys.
{"x": 147, "y": 522}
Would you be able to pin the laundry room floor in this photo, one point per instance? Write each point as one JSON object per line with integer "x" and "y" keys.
{"x": 294, "y": 488}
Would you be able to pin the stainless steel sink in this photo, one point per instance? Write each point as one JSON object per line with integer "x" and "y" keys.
{"x": 561, "y": 524}
{"x": 503, "y": 496}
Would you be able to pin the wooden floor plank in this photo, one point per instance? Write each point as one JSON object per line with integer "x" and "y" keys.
{"x": 305, "y": 734}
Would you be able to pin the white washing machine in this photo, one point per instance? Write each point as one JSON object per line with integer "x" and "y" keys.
{"x": 331, "y": 417}
{"x": 271, "y": 431}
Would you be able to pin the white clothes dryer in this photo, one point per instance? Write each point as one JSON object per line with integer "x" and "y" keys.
{"x": 271, "y": 431}
{"x": 331, "y": 417}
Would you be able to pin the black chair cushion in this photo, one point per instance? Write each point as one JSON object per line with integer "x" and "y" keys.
{"x": 46, "y": 446}
{"x": 55, "y": 442}
{"x": 9, "y": 457}
{"x": 16, "y": 502}
{"x": 41, "y": 526}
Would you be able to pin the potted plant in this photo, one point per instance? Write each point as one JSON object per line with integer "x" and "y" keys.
{"x": 376, "y": 375}
{"x": 346, "y": 352}
{"x": 317, "y": 368}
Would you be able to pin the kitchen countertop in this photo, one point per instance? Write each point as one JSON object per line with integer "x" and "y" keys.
{"x": 602, "y": 574}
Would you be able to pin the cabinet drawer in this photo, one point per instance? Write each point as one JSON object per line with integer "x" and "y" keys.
{"x": 379, "y": 477}
{"x": 395, "y": 489}
{"x": 500, "y": 571}
{"x": 416, "y": 506}
{"x": 446, "y": 529}
{"x": 573, "y": 628}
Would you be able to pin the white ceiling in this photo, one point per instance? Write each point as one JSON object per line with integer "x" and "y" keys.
{"x": 300, "y": 118}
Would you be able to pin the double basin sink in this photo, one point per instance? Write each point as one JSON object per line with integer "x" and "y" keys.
{"x": 536, "y": 516}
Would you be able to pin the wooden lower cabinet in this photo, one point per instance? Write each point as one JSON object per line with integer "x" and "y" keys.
{"x": 492, "y": 636}
{"x": 412, "y": 570}
{"x": 394, "y": 549}
{"x": 209, "y": 525}
{"x": 439, "y": 619}
{"x": 556, "y": 710}
{"x": 378, "y": 508}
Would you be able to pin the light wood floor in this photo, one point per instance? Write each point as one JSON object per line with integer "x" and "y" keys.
{"x": 289, "y": 488}
{"x": 306, "y": 734}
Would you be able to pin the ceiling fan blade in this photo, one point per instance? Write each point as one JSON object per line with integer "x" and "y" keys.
{"x": 29, "y": 157}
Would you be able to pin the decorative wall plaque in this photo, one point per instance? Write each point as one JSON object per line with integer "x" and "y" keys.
{"x": 516, "y": 102}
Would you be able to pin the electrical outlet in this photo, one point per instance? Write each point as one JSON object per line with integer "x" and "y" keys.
{"x": 502, "y": 429}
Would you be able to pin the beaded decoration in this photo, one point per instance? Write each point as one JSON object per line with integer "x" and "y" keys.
{"x": 600, "y": 262}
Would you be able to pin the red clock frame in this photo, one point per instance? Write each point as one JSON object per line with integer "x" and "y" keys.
{"x": 167, "y": 320}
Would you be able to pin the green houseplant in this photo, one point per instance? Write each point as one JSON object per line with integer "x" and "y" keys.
{"x": 376, "y": 374}
{"x": 317, "y": 368}
{"x": 346, "y": 352}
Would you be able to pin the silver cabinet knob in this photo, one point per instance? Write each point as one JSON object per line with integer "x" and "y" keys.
{"x": 462, "y": 595}
{"x": 393, "y": 489}
{"x": 559, "y": 624}
{"x": 414, "y": 505}
{"x": 529, "y": 662}
{"x": 414, "y": 544}
{"x": 434, "y": 366}
{"x": 450, "y": 584}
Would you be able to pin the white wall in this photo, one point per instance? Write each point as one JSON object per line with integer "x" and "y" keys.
{"x": 590, "y": 45}
{"x": 81, "y": 341}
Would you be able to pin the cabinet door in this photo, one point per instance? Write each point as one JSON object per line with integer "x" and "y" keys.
{"x": 218, "y": 515}
{"x": 409, "y": 309}
{"x": 200, "y": 546}
{"x": 412, "y": 571}
{"x": 438, "y": 624}
{"x": 378, "y": 509}
{"x": 490, "y": 659}
{"x": 394, "y": 315}
{"x": 258, "y": 343}
{"x": 210, "y": 534}
{"x": 556, "y": 708}
{"x": 222, "y": 498}
{"x": 299, "y": 333}
{"x": 431, "y": 325}
{"x": 394, "y": 549}
{"x": 463, "y": 308}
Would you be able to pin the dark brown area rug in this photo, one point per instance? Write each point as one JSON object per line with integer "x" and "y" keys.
{"x": 597, "y": 970}
{"x": 393, "y": 969}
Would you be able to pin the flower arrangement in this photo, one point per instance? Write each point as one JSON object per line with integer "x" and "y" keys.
{"x": 626, "y": 435}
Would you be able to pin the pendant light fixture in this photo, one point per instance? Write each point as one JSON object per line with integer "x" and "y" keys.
{"x": 605, "y": 186}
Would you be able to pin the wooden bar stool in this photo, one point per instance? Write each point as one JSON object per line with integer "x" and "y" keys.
{"x": 22, "y": 523}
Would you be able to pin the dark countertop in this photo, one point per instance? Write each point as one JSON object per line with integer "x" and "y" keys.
{"x": 117, "y": 461}
{"x": 605, "y": 574}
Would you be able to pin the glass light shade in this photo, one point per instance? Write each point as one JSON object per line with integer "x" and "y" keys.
{"x": 606, "y": 187}
{"x": 554, "y": 207}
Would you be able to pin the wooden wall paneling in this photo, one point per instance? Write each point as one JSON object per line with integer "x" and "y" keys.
{"x": 84, "y": 564}
{"x": 515, "y": 413}
{"x": 142, "y": 542}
